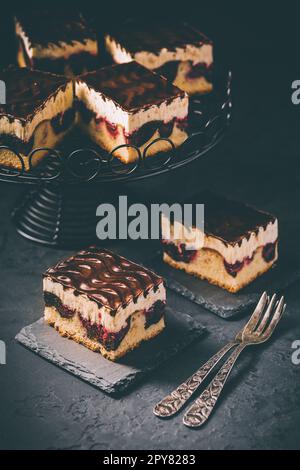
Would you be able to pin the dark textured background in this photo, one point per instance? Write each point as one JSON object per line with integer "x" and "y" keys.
{"x": 42, "y": 406}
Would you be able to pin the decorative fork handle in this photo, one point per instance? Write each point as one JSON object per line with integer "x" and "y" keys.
{"x": 172, "y": 403}
{"x": 201, "y": 409}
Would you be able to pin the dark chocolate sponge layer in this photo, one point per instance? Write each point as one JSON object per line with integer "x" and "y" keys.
{"x": 27, "y": 90}
{"x": 105, "y": 277}
{"x": 131, "y": 86}
{"x": 154, "y": 36}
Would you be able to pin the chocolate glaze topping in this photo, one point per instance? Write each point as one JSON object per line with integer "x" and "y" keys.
{"x": 153, "y": 36}
{"x": 44, "y": 27}
{"x": 105, "y": 277}
{"x": 27, "y": 90}
{"x": 228, "y": 220}
{"x": 131, "y": 86}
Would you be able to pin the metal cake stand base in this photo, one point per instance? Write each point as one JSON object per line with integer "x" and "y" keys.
{"x": 60, "y": 217}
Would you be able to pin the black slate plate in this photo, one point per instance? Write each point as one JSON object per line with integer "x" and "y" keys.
{"x": 108, "y": 376}
{"x": 221, "y": 302}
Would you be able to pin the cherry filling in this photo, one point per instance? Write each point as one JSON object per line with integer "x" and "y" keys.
{"x": 82, "y": 61}
{"x": 63, "y": 121}
{"x": 51, "y": 300}
{"x": 144, "y": 133}
{"x": 97, "y": 332}
{"x": 269, "y": 252}
{"x": 85, "y": 113}
{"x": 234, "y": 269}
{"x": 179, "y": 252}
{"x": 169, "y": 70}
{"x": 78, "y": 63}
{"x": 200, "y": 70}
{"x": 154, "y": 313}
{"x": 15, "y": 143}
{"x": 138, "y": 137}
{"x": 108, "y": 339}
{"x": 111, "y": 128}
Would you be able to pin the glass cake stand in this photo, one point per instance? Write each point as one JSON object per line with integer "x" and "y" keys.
{"x": 59, "y": 208}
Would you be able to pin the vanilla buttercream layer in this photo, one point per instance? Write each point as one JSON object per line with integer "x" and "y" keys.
{"x": 203, "y": 53}
{"x": 54, "y": 51}
{"x": 195, "y": 239}
{"x": 58, "y": 102}
{"x": 90, "y": 310}
{"x": 130, "y": 121}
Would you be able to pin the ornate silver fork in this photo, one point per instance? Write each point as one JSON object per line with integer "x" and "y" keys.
{"x": 172, "y": 403}
{"x": 258, "y": 330}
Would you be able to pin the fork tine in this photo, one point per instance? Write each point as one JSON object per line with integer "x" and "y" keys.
{"x": 263, "y": 301}
{"x": 275, "y": 320}
{"x": 261, "y": 326}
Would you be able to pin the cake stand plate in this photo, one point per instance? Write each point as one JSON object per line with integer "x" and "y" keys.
{"x": 111, "y": 377}
{"x": 59, "y": 208}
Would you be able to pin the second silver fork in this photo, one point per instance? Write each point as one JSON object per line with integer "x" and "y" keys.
{"x": 259, "y": 330}
{"x": 172, "y": 403}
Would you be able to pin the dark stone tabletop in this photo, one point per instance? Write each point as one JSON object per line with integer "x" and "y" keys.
{"x": 44, "y": 407}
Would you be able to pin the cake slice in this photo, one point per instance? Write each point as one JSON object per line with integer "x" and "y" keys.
{"x": 38, "y": 113}
{"x": 58, "y": 42}
{"x": 129, "y": 104}
{"x": 104, "y": 301}
{"x": 179, "y": 52}
{"x": 239, "y": 243}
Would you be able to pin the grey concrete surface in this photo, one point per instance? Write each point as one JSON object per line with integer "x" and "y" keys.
{"x": 42, "y": 406}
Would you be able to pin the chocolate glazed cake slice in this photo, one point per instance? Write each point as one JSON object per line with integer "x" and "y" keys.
{"x": 239, "y": 243}
{"x": 128, "y": 104}
{"x": 62, "y": 43}
{"x": 104, "y": 301}
{"x": 38, "y": 113}
{"x": 178, "y": 51}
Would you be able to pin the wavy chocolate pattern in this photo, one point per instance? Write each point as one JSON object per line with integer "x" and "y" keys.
{"x": 43, "y": 26}
{"x": 231, "y": 221}
{"x": 105, "y": 277}
{"x": 27, "y": 89}
{"x": 153, "y": 36}
{"x": 131, "y": 86}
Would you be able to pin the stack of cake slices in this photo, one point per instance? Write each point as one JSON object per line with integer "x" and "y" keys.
{"x": 124, "y": 104}
{"x": 67, "y": 44}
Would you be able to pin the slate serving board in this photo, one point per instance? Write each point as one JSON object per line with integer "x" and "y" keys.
{"x": 221, "y": 302}
{"x": 111, "y": 377}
